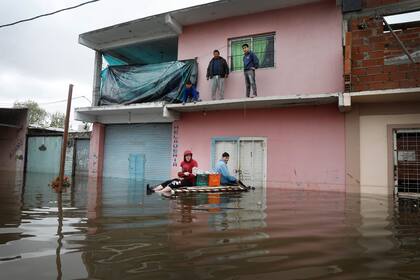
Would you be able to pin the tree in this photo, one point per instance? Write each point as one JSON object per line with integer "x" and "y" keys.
{"x": 37, "y": 115}
{"x": 57, "y": 119}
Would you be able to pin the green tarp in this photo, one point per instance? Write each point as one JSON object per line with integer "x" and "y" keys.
{"x": 128, "y": 84}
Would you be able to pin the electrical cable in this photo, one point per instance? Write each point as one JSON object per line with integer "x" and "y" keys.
{"x": 65, "y": 100}
{"x": 48, "y": 14}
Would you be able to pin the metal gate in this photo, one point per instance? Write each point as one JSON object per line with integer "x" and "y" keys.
{"x": 407, "y": 160}
{"x": 43, "y": 154}
{"x": 138, "y": 151}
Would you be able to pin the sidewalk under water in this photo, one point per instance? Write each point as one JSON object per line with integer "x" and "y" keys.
{"x": 112, "y": 230}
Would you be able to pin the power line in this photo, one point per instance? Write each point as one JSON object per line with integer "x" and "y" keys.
{"x": 49, "y": 14}
{"x": 52, "y": 102}
{"x": 65, "y": 100}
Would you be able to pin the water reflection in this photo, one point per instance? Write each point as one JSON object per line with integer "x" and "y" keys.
{"x": 109, "y": 229}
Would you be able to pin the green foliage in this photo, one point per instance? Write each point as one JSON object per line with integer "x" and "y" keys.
{"x": 37, "y": 115}
{"x": 57, "y": 119}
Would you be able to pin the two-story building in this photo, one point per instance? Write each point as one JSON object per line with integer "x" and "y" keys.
{"x": 292, "y": 133}
{"x": 382, "y": 80}
{"x": 307, "y": 129}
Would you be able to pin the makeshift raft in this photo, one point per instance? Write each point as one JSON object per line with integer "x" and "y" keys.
{"x": 204, "y": 189}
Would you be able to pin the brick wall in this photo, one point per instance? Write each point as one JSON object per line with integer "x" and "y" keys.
{"x": 377, "y": 60}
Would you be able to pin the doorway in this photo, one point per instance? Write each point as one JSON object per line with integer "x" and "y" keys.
{"x": 407, "y": 160}
{"x": 248, "y": 156}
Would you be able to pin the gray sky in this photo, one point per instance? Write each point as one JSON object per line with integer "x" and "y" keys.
{"x": 38, "y": 59}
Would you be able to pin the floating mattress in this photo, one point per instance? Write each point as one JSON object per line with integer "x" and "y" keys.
{"x": 205, "y": 189}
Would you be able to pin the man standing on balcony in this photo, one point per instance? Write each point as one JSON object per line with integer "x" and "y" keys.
{"x": 217, "y": 71}
{"x": 251, "y": 63}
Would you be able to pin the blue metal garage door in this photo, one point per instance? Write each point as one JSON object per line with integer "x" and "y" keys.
{"x": 44, "y": 154}
{"x": 138, "y": 151}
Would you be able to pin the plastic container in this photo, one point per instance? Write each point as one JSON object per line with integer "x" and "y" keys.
{"x": 202, "y": 180}
{"x": 214, "y": 180}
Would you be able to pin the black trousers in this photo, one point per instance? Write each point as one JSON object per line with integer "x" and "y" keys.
{"x": 176, "y": 183}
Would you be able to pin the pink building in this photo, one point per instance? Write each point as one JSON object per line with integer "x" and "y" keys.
{"x": 291, "y": 136}
{"x": 13, "y": 128}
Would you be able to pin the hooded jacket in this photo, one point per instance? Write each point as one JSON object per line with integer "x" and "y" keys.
{"x": 187, "y": 166}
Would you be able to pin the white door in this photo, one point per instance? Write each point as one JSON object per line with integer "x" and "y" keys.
{"x": 247, "y": 159}
{"x": 231, "y": 147}
{"x": 252, "y": 162}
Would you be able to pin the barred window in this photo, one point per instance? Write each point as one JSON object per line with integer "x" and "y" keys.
{"x": 261, "y": 45}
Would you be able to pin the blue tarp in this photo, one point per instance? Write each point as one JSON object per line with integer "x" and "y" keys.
{"x": 128, "y": 84}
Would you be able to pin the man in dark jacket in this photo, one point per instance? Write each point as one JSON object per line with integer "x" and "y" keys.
{"x": 251, "y": 63}
{"x": 217, "y": 71}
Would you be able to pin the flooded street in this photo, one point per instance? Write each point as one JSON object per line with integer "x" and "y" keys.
{"x": 112, "y": 230}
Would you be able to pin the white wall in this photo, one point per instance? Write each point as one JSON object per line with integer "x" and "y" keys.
{"x": 374, "y": 150}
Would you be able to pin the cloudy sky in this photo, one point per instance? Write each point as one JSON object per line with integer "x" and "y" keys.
{"x": 38, "y": 59}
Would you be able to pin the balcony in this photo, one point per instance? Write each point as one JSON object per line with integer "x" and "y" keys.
{"x": 157, "y": 112}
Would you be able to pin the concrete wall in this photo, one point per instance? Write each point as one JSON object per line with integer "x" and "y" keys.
{"x": 68, "y": 164}
{"x": 305, "y": 145}
{"x": 374, "y": 154}
{"x": 369, "y": 158}
{"x": 13, "y": 140}
{"x": 308, "y": 52}
{"x": 96, "y": 150}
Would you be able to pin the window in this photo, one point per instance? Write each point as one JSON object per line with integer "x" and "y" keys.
{"x": 261, "y": 45}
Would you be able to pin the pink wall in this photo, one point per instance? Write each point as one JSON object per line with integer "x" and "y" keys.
{"x": 308, "y": 52}
{"x": 96, "y": 150}
{"x": 305, "y": 145}
{"x": 13, "y": 142}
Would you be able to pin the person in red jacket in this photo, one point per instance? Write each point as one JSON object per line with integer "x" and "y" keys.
{"x": 185, "y": 176}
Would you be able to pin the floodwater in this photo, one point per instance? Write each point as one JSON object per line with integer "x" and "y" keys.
{"x": 112, "y": 230}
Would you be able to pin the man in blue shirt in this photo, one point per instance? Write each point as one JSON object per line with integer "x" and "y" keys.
{"x": 189, "y": 93}
{"x": 221, "y": 167}
{"x": 251, "y": 63}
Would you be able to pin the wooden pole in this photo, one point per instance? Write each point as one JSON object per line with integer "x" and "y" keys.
{"x": 65, "y": 137}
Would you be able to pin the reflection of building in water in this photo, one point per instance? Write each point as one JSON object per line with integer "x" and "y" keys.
{"x": 200, "y": 223}
{"x": 377, "y": 234}
{"x": 127, "y": 233}
{"x": 407, "y": 228}
{"x": 224, "y": 211}
{"x": 10, "y": 205}
{"x": 38, "y": 193}
{"x": 242, "y": 211}
{"x": 39, "y": 232}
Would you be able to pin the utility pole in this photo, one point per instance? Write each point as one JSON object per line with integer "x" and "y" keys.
{"x": 65, "y": 137}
